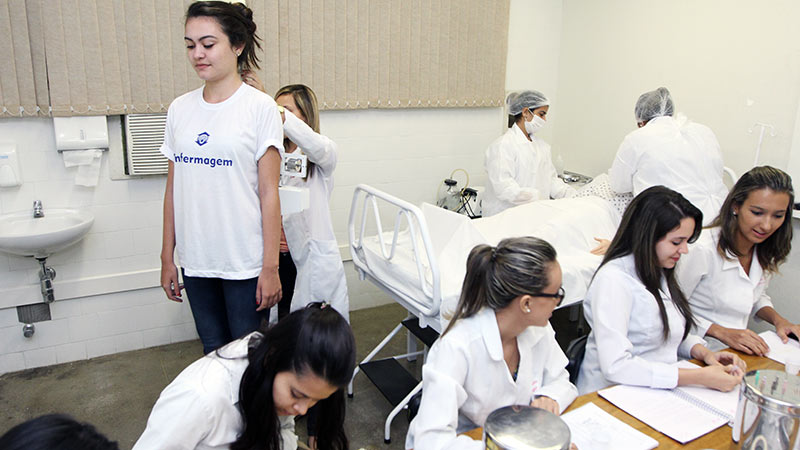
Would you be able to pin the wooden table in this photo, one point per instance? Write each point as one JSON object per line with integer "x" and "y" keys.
{"x": 717, "y": 439}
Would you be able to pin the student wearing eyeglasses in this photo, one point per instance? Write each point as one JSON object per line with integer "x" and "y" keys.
{"x": 641, "y": 321}
{"x": 498, "y": 349}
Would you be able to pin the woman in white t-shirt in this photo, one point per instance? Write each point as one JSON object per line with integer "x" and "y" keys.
{"x": 641, "y": 321}
{"x": 499, "y": 349}
{"x": 221, "y": 207}
{"x": 245, "y": 395}
{"x": 726, "y": 274}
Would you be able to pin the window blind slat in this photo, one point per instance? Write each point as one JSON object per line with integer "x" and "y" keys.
{"x": 124, "y": 56}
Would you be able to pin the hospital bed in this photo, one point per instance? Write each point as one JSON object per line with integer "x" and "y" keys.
{"x": 418, "y": 256}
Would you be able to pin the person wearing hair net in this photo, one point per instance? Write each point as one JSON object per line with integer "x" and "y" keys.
{"x": 519, "y": 165}
{"x": 672, "y": 152}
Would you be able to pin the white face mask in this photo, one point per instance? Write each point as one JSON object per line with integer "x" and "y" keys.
{"x": 534, "y": 125}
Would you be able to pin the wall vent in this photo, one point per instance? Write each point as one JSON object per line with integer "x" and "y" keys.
{"x": 144, "y": 134}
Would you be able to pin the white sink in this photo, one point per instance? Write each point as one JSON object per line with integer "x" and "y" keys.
{"x": 21, "y": 234}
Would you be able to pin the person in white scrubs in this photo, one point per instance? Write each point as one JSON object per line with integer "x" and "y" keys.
{"x": 246, "y": 394}
{"x": 641, "y": 321}
{"x": 672, "y": 152}
{"x": 726, "y": 274}
{"x": 498, "y": 350}
{"x": 311, "y": 266}
{"x": 309, "y": 236}
{"x": 519, "y": 164}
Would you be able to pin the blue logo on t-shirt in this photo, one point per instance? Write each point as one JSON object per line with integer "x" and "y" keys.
{"x": 202, "y": 138}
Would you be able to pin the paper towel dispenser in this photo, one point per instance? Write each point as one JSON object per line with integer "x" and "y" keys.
{"x": 78, "y": 133}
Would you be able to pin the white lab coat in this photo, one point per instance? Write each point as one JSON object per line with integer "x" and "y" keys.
{"x": 718, "y": 289}
{"x": 466, "y": 377}
{"x": 200, "y": 408}
{"x": 309, "y": 233}
{"x": 625, "y": 345}
{"x": 681, "y": 155}
{"x": 520, "y": 171}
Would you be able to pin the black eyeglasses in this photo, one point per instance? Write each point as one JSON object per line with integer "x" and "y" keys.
{"x": 559, "y": 295}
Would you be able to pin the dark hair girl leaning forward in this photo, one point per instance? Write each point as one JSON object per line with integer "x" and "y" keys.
{"x": 641, "y": 321}
{"x": 246, "y": 394}
{"x": 499, "y": 348}
{"x": 727, "y": 272}
{"x": 221, "y": 207}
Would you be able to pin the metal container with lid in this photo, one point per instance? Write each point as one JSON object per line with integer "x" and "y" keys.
{"x": 525, "y": 428}
{"x": 768, "y": 415}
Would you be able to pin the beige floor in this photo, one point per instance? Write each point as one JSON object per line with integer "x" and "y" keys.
{"x": 116, "y": 392}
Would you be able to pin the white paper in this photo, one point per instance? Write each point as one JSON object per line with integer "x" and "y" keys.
{"x": 594, "y": 429}
{"x": 88, "y": 163}
{"x": 664, "y": 411}
{"x": 778, "y": 351}
{"x": 725, "y": 402}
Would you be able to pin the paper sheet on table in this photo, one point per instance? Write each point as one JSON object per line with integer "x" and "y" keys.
{"x": 778, "y": 351}
{"x": 662, "y": 410}
{"x": 594, "y": 429}
{"x": 725, "y": 402}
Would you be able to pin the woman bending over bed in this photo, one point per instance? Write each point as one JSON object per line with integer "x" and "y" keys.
{"x": 640, "y": 319}
{"x": 499, "y": 349}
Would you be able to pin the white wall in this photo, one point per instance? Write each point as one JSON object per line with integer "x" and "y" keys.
{"x": 713, "y": 55}
{"x": 727, "y": 63}
{"x": 106, "y": 299}
{"x": 404, "y": 152}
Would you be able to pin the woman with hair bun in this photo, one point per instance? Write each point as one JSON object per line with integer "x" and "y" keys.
{"x": 221, "y": 207}
{"x": 499, "y": 349}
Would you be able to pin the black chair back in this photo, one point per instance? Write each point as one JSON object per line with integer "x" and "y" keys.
{"x": 574, "y": 353}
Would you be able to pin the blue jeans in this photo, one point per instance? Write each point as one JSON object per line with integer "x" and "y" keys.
{"x": 223, "y": 310}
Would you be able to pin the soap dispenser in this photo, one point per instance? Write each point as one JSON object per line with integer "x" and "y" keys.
{"x": 9, "y": 166}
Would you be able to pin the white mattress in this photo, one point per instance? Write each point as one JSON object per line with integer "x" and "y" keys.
{"x": 568, "y": 224}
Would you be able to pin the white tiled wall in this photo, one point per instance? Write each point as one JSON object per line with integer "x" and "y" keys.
{"x": 406, "y": 153}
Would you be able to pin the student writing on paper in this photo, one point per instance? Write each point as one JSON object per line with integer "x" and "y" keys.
{"x": 640, "y": 319}
{"x": 498, "y": 350}
{"x": 727, "y": 272}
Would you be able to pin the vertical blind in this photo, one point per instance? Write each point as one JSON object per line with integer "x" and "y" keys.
{"x": 23, "y": 74}
{"x": 128, "y": 56}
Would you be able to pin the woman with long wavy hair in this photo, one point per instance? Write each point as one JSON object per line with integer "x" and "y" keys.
{"x": 726, "y": 274}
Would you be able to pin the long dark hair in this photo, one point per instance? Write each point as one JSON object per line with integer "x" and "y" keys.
{"x": 236, "y": 21}
{"x": 55, "y": 431}
{"x": 497, "y": 275}
{"x": 648, "y": 218}
{"x": 316, "y": 340}
{"x": 774, "y": 250}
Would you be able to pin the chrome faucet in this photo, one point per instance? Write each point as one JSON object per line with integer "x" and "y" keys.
{"x": 37, "y": 209}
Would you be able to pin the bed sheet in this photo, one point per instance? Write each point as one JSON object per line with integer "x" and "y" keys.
{"x": 570, "y": 225}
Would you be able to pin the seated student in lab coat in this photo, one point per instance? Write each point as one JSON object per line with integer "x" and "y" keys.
{"x": 499, "y": 349}
{"x": 640, "y": 319}
{"x": 681, "y": 155}
{"x": 519, "y": 164}
{"x": 246, "y": 394}
{"x": 725, "y": 276}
